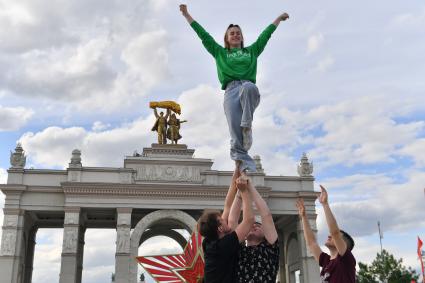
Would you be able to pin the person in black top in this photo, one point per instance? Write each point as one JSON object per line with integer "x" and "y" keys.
{"x": 221, "y": 243}
{"x": 259, "y": 257}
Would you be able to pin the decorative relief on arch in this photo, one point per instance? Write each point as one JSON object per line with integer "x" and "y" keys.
{"x": 70, "y": 240}
{"x": 123, "y": 240}
{"x": 8, "y": 242}
{"x": 169, "y": 173}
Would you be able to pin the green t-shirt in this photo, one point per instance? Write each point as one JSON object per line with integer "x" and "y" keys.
{"x": 236, "y": 63}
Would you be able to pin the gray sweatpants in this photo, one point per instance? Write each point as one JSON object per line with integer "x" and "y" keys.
{"x": 240, "y": 100}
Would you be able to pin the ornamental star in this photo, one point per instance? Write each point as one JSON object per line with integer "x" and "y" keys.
{"x": 193, "y": 273}
{"x": 187, "y": 267}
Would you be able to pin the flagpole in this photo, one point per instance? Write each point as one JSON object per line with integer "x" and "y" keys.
{"x": 380, "y": 235}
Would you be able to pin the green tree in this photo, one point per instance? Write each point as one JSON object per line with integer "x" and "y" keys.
{"x": 385, "y": 268}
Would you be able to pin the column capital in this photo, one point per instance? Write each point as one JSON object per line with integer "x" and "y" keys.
{"x": 13, "y": 211}
{"x": 72, "y": 217}
{"x": 72, "y": 209}
{"x": 124, "y": 217}
{"x": 124, "y": 209}
{"x": 10, "y": 189}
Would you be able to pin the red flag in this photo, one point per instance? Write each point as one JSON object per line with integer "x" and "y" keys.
{"x": 420, "y": 243}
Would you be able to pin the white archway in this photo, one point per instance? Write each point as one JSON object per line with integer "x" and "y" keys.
{"x": 177, "y": 216}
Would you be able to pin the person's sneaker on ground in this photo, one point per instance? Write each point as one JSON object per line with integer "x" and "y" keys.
{"x": 246, "y": 138}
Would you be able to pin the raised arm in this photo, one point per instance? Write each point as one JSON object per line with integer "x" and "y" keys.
{"x": 235, "y": 212}
{"x": 281, "y": 18}
{"x": 340, "y": 244}
{"x": 230, "y": 195}
{"x": 244, "y": 227}
{"x": 168, "y": 114}
{"x": 207, "y": 40}
{"x": 269, "y": 228}
{"x": 185, "y": 13}
{"x": 258, "y": 46}
{"x": 155, "y": 112}
{"x": 310, "y": 239}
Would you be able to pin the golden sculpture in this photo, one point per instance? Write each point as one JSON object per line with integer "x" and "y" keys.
{"x": 167, "y": 126}
{"x": 160, "y": 126}
{"x": 173, "y": 131}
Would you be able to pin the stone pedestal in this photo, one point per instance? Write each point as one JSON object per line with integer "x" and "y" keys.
{"x": 168, "y": 163}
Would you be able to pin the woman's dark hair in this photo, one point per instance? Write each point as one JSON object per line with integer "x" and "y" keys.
{"x": 226, "y": 43}
{"x": 208, "y": 224}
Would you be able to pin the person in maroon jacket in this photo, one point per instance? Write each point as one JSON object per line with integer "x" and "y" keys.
{"x": 339, "y": 266}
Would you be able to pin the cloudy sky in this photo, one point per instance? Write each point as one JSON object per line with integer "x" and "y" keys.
{"x": 342, "y": 81}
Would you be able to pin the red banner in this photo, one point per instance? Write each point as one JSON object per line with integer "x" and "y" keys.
{"x": 420, "y": 244}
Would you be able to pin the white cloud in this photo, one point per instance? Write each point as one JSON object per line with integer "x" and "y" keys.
{"x": 343, "y": 133}
{"x": 352, "y": 134}
{"x": 3, "y": 176}
{"x": 314, "y": 43}
{"x": 3, "y": 180}
{"x": 410, "y": 20}
{"x": 47, "y": 256}
{"x": 13, "y": 118}
{"x": 117, "y": 59}
{"x": 53, "y": 145}
{"x": 415, "y": 150}
{"x": 324, "y": 64}
{"x": 99, "y": 126}
{"x": 148, "y": 55}
{"x": 398, "y": 206}
{"x": 159, "y": 245}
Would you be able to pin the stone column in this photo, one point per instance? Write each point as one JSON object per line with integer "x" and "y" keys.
{"x": 122, "y": 254}
{"x": 281, "y": 276}
{"x": 72, "y": 247}
{"x": 29, "y": 255}
{"x": 11, "y": 261}
{"x": 310, "y": 272}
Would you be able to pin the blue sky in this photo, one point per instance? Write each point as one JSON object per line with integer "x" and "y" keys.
{"x": 342, "y": 81}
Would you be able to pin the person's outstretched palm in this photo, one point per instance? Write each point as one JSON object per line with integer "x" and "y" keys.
{"x": 323, "y": 198}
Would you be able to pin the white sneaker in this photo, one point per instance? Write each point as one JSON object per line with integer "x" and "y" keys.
{"x": 246, "y": 138}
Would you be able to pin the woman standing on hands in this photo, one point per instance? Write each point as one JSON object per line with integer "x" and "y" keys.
{"x": 237, "y": 70}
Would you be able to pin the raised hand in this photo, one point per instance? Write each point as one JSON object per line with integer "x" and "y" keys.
{"x": 284, "y": 17}
{"x": 183, "y": 9}
{"x": 301, "y": 207}
{"x": 242, "y": 183}
{"x": 323, "y": 198}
